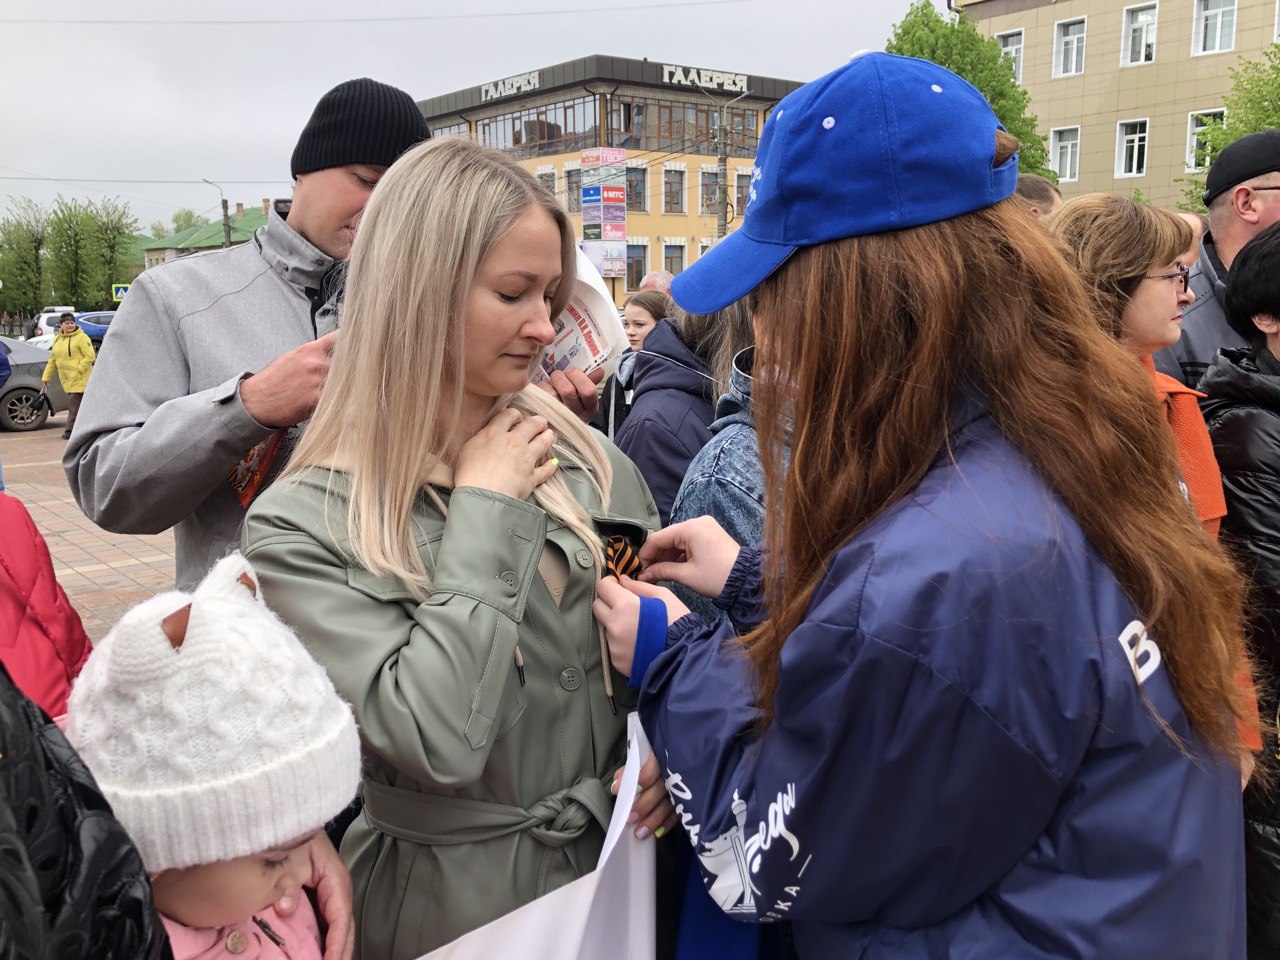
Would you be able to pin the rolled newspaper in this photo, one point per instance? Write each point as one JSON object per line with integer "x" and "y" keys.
{"x": 588, "y": 332}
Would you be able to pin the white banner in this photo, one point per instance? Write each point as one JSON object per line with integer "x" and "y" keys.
{"x": 608, "y": 913}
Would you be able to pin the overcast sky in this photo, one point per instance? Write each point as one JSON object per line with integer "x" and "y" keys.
{"x": 225, "y": 98}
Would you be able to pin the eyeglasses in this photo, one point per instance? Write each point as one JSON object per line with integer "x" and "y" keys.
{"x": 1183, "y": 274}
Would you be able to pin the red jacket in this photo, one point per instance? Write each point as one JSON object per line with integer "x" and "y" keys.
{"x": 42, "y": 642}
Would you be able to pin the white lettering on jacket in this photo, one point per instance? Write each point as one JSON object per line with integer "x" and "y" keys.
{"x": 1141, "y": 651}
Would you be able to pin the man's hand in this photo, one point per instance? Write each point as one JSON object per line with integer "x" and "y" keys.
{"x": 576, "y": 390}
{"x": 332, "y": 884}
{"x": 286, "y": 391}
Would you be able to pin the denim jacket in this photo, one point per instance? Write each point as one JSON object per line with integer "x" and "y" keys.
{"x": 725, "y": 480}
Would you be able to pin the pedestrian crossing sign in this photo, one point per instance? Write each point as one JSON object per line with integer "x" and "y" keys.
{"x": 118, "y": 290}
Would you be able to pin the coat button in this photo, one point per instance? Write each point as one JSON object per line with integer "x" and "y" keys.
{"x": 509, "y": 578}
{"x": 570, "y": 678}
{"x": 236, "y": 942}
{"x": 584, "y": 558}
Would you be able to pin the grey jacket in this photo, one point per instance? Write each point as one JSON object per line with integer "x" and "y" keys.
{"x": 1204, "y": 324}
{"x": 162, "y": 424}
{"x": 485, "y": 785}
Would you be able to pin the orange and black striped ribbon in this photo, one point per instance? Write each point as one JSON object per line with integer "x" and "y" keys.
{"x": 620, "y": 558}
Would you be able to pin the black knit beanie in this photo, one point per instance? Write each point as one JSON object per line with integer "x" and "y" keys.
{"x": 360, "y": 121}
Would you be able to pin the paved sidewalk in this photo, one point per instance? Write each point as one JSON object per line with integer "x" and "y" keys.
{"x": 103, "y": 573}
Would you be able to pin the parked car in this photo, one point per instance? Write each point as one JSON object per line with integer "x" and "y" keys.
{"x": 18, "y": 409}
{"x": 95, "y": 325}
{"x": 49, "y": 320}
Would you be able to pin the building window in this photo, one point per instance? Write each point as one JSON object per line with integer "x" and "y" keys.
{"x": 637, "y": 264}
{"x": 1011, "y": 47}
{"x": 1131, "y": 148}
{"x": 564, "y": 127}
{"x": 1214, "y": 27}
{"x": 1068, "y": 48}
{"x": 677, "y": 126}
{"x": 702, "y": 249}
{"x": 1197, "y": 149}
{"x": 548, "y": 180}
{"x": 573, "y": 190}
{"x": 707, "y": 189}
{"x": 673, "y": 258}
{"x": 742, "y": 193}
{"x": 637, "y": 189}
{"x": 452, "y": 130}
{"x": 1139, "y": 42}
{"x": 673, "y": 191}
{"x": 1064, "y": 153}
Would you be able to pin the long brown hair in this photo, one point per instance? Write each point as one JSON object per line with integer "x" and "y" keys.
{"x": 1113, "y": 242}
{"x": 716, "y": 338}
{"x": 903, "y": 321}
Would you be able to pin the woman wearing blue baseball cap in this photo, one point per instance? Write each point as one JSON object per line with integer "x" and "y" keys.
{"x": 977, "y": 698}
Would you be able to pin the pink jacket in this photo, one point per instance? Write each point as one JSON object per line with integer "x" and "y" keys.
{"x": 299, "y": 936}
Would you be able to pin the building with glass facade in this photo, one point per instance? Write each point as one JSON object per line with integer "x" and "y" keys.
{"x": 664, "y": 115}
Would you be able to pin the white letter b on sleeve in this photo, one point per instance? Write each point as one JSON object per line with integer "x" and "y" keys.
{"x": 1141, "y": 650}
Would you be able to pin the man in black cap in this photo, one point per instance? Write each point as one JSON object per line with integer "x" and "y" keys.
{"x": 216, "y": 358}
{"x": 1243, "y": 196}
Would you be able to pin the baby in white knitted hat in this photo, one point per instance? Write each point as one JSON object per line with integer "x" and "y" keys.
{"x": 223, "y": 748}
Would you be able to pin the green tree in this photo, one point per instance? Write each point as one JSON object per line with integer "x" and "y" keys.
{"x": 114, "y": 225}
{"x": 1252, "y": 105}
{"x": 23, "y": 233}
{"x": 183, "y": 219}
{"x": 955, "y": 43}
{"x": 73, "y": 262}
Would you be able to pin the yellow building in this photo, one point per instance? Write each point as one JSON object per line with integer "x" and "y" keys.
{"x": 1120, "y": 87}
{"x": 664, "y": 115}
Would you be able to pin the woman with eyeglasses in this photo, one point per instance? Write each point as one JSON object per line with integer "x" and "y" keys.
{"x": 1128, "y": 256}
{"x": 1128, "y": 253}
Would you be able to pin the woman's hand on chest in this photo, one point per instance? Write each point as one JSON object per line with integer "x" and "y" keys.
{"x": 507, "y": 455}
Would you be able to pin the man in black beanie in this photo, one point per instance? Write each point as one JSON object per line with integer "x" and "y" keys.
{"x": 220, "y": 356}
{"x": 1243, "y": 196}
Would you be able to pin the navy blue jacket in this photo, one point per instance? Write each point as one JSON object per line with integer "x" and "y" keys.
{"x": 670, "y": 418}
{"x": 963, "y": 762}
{"x": 6, "y": 370}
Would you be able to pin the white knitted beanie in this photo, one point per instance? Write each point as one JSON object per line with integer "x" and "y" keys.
{"x": 222, "y": 743}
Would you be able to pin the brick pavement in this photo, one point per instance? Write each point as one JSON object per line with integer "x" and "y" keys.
{"x": 103, "y": 573}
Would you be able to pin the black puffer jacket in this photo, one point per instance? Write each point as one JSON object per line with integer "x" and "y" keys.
{"x": 72, "y": 885}
{"x": 1242, "y": 410}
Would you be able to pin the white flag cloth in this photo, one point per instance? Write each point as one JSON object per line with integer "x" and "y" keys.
{"x": 608, "y": 913}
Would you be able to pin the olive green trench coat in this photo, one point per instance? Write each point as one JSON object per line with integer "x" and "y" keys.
{"x": 482, "y": 791}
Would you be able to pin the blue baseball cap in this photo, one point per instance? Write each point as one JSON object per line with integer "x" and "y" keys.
{"x": 883, "y": 143}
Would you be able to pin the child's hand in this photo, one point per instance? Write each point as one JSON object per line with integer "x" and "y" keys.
{"x": 332, "y": 884}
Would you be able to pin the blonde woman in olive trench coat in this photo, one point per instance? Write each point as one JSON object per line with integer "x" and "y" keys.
{"x": 435, "y": 542}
